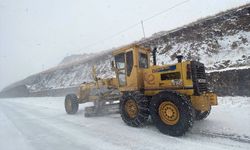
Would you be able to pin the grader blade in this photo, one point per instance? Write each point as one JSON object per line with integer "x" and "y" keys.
{"x": 101, "y": 109}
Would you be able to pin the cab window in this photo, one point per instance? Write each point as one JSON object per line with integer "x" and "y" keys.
{"x": 120, "y": 61}
{"x": 120, "y": 65}
{"x": 129, "y": 60}
{"x": 143, "y": 60}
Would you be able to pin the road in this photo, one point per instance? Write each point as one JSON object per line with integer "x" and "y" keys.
{"x": 42, "y": 124}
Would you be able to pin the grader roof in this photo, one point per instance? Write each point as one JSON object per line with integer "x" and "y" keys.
{"x": 126, "y": 47}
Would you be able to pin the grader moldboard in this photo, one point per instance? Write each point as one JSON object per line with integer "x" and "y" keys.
{"x": 173, "y": 95}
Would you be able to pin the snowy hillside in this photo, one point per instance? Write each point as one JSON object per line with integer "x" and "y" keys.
{"x": 75, "y": 58}
{"x": 230, "y": 51}
{"x": 220, "y": 42}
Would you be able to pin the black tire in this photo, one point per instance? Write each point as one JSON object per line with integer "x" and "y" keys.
{"x": 142, "y": 104}
{"x": 185, "y": 109}
{"x": 89, "y": 111}
{"x": 199, "y": 115}
{"x": 71, "y": 104}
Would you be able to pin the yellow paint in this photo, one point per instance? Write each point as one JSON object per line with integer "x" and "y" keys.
{"x": 154, "y": 79}
{"x": 134, "y": 82}
{"x": 155, "y": 91}
{"x": 131, "y": 108}
{"x": 204, "y": 101}
{"x": 85, "y": 89}
{"x": 200, "y": 102}
{"x": 212, "y": 98}
{"x": 169, "y": 113}
{"x": 151, "y": 80}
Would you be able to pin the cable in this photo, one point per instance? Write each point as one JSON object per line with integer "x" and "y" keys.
{"x": 110, "y": 37}
{"x": 134, "y": 25}
{"x": 164, "y": 11}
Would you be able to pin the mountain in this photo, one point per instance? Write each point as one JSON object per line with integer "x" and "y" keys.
{"x": 221, "y": 42}
{"x": 75, "y": 58}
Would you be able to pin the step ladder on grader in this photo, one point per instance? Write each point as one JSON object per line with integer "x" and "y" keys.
{"x": 173, "y": 95}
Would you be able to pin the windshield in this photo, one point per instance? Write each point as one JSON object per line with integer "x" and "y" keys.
{"x": 120, "y": 61}
{"x": 143, "y": 60}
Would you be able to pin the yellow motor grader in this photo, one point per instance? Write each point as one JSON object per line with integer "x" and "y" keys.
{"x": 173, "y": 95}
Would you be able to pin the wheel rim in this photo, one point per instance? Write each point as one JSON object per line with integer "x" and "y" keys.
{"x": 131, "y": 108}
{"x": 169, "y": 113}
{"x": 68, "y": 104}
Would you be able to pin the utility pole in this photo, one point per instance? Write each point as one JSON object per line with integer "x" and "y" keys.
{"x": 142, "y": 28}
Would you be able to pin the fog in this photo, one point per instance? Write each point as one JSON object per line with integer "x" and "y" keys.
{"x": 37, "y": 35}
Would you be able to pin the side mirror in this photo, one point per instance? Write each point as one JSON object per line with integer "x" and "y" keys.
{"x": 112, "y": 65}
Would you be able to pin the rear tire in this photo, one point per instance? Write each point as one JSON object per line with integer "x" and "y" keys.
{"x": 134, "y": 109}
{"x": 71, "y": 104}
{"x": 199, "y": 115}
{"x": 171, "y": 113}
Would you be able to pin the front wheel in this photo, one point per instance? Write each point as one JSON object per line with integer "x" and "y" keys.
{"x": 71, "y": 104}
{"x": 171, "y": 113}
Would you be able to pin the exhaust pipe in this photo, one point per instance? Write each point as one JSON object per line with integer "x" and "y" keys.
{"x": 154, "y": 56}
{"x": 179, "y": 58}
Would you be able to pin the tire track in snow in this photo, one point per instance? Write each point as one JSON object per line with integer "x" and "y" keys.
{"x": 234, "y": 137}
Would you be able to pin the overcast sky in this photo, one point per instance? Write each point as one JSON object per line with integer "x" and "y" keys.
{"x": 37, "y": 34}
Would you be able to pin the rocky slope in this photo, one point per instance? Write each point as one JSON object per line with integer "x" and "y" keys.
{"x": 230, "y": 82}
{"x": 220, "y": 42}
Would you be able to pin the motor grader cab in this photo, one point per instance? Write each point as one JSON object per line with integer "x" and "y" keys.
{"x": 173, "y": 95}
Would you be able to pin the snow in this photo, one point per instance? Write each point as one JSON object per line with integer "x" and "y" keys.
{"x": 233, "y": 57}
{"x": 73, "y": 76}
{"x": 41, "y": 123}
{"x": 221, "y": 42}
{"x": 227, "y": 69}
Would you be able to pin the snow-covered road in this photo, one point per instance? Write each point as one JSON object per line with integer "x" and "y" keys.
{"x": 41, "y": 123}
